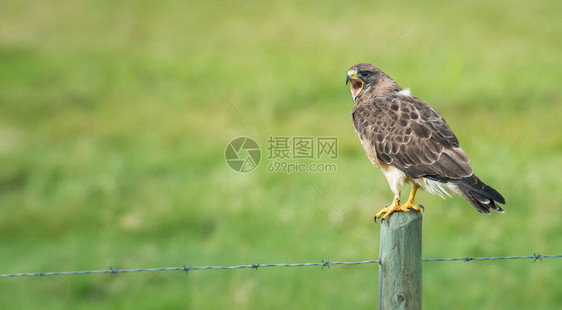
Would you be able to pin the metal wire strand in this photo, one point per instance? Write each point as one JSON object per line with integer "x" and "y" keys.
{"x": 327, "y": 263}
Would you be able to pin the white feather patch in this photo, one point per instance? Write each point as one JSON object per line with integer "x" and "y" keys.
{"x": 404, "y": 92}
{"x": 436, "y": 187}
{"x": 396, "y": 178}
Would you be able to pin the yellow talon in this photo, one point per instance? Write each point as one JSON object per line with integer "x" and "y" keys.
{"x": 409, "y": 206}
{"x": 396, "y": 206}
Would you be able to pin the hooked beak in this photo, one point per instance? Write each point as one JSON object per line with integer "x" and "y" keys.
{"x": 351, "y": 74}
{"x": 356, "y": 83}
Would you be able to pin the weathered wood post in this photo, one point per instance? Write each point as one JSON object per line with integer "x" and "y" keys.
{"x": 400, "y": 268}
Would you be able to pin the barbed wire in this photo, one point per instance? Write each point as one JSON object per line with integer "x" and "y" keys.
{"x": 535, "y": 257}
{"x": 323, "y": 264}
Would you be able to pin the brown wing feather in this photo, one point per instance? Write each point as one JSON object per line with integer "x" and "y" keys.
{"x": 410, "y": 135}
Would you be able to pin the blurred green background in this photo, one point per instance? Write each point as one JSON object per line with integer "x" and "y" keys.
{"x": 112, "y": 150}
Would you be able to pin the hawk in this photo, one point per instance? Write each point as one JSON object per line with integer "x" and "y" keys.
{"x": 411, "y": 143}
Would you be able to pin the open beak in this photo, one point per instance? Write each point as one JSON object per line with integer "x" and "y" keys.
{"x": 356, "y": 84}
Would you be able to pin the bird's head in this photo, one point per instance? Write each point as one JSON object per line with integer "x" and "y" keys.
{"x": 362, "y": 78}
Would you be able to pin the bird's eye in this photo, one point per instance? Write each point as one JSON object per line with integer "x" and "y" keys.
{"x": 364, "y": 73}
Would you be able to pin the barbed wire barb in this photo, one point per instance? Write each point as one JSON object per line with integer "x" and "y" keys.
{"x": 326, "y": 263}
{"x": 186, "y": 269}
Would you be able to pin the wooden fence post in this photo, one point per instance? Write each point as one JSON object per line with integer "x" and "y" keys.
{"x": 400, "y": 268}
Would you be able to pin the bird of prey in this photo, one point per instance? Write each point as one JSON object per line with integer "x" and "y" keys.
{"x": 411, "y": 143}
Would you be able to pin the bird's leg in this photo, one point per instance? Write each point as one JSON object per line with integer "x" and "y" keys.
{"x": 396, "y": 206}
{"x": 409, "y": 205}
{"x": 385, "y": 212}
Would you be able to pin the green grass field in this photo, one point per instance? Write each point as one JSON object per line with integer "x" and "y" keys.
{"x": 112, "y": 150}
